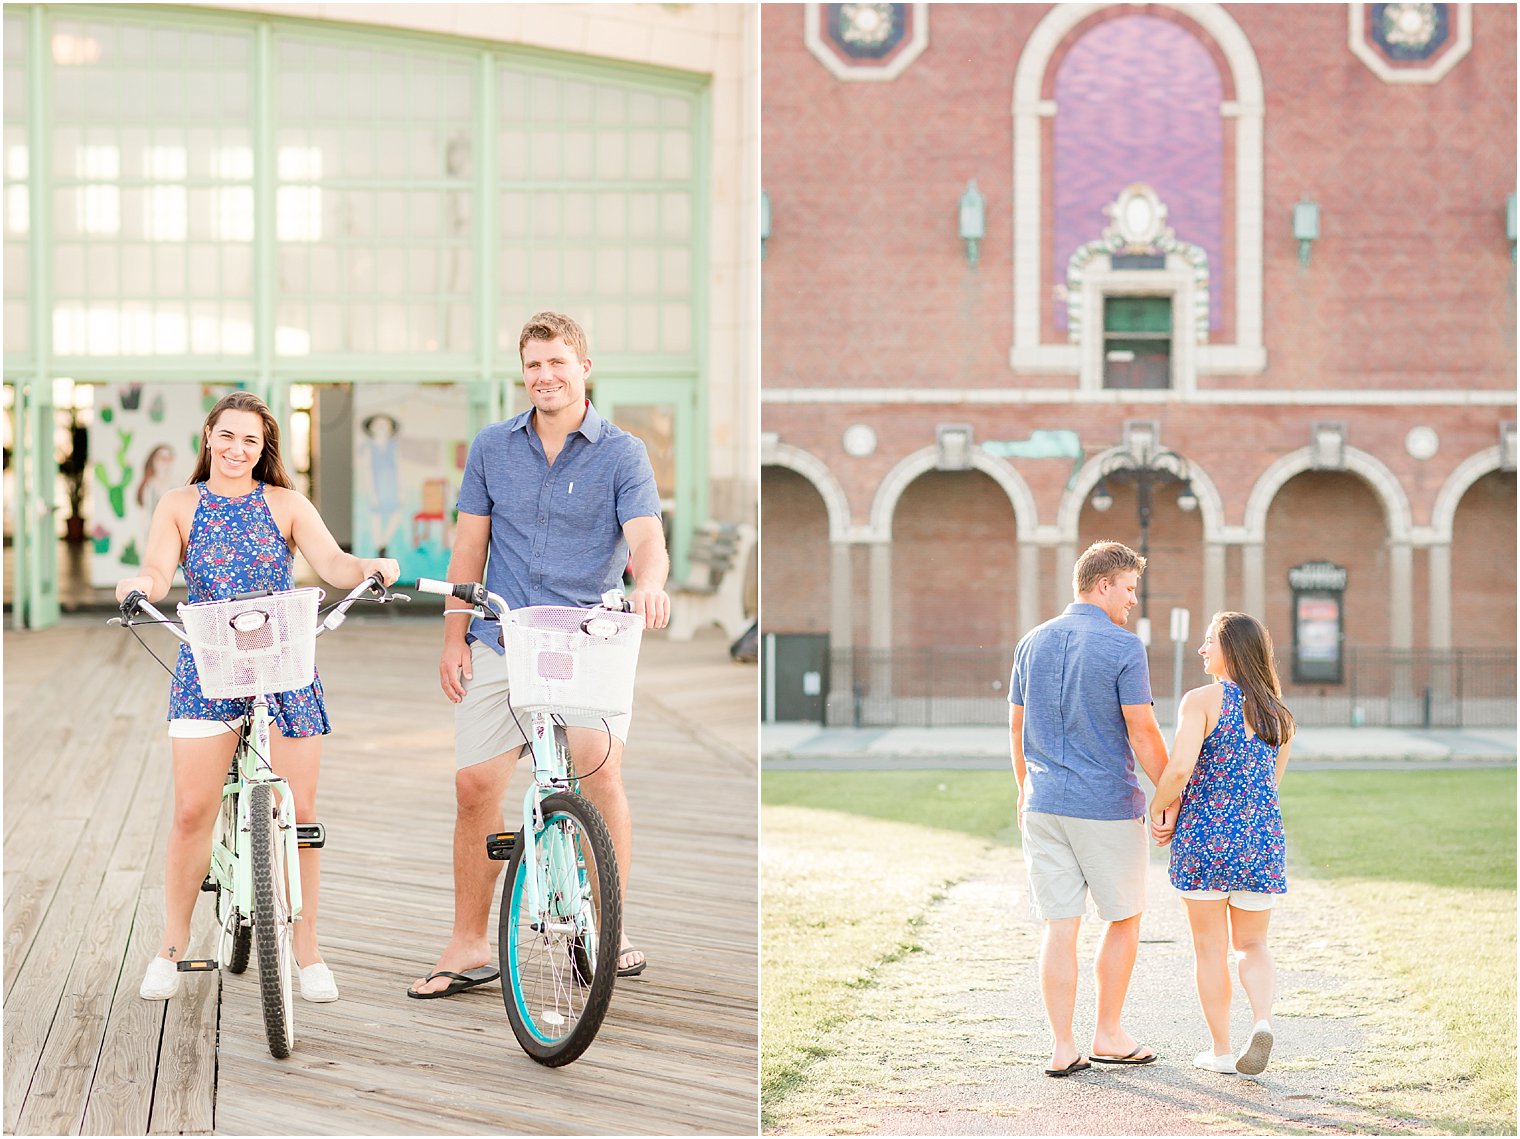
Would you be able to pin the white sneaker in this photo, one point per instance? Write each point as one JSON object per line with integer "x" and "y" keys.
{"x": 1253, "y": 1061}
{"x": 1212, "y": 1063}
{"x": 318, "y": 983}
{"x": 161, "y": 980}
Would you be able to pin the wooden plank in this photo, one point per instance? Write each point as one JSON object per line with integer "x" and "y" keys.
{"x": 55, "y": 1103}
{"x": 678, "y": 1051}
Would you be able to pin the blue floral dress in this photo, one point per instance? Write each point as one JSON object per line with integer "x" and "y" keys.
{"x": 1229, "y": 833}
{"x": 235, "y": 545}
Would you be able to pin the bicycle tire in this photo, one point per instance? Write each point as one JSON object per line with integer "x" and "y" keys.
{"x": 554, "y": 1008}
{"x": 272, "y": 926}
{"x": 235, "y": 943}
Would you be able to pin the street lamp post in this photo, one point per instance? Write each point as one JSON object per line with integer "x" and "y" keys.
{"x": 1146, "y": 468}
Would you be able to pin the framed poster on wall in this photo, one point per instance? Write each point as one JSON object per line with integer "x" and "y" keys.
{"x": 1319, "y": 622}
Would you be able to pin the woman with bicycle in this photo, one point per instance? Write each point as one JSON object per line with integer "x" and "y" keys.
{"x": 234, "y": 529}
{"x": 1228, "y": 851}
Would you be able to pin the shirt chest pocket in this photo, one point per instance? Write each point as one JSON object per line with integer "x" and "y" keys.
{"x": 581, "y": 501}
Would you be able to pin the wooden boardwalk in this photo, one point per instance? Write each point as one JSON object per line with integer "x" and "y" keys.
{"x": 86, "y": 810}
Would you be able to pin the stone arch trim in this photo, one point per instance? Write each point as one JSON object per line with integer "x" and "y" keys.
{"x": 884, "y": 505}
{"x": 1068, "y": 518}
{"x": 1247, "y": 108}
{"x": 817, "y": 472}
{"x": 1384, "y": 484}
{"x": 1443, "y": 514}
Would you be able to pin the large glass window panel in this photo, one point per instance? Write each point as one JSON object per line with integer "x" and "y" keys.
{"x": 17, "y": 165}
{"x": 144, "y": 116}
{"x": 377, "y": 181}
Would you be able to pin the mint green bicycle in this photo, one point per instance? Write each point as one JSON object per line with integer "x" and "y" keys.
{"x": 256, "y": 643}
{"x": 561, "y": 902}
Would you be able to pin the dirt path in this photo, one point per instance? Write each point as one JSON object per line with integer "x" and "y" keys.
{"x": 951, "y": 1040}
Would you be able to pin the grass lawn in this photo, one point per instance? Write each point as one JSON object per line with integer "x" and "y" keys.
{"x": 1428, "y": 860}
{"x": 1425, "y": 858}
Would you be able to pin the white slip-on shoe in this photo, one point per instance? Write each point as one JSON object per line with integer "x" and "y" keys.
{"x": 1212, "y": 1063}
{"x": 1253, "y": 1061}
{"x": 318, "y": 983}
{"x": 161, "y": 981}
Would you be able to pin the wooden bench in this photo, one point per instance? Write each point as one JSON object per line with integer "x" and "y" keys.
{"x": 713, "y": 592}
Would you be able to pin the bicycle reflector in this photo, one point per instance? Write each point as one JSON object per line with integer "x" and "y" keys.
{"x": 603, "y": 627}
{"x": 249, "y": 620}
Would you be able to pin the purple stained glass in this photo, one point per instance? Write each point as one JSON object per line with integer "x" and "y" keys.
{"x": 1137, "y": 100}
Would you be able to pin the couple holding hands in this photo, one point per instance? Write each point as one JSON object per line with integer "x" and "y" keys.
{"x": 1081, "y": 706}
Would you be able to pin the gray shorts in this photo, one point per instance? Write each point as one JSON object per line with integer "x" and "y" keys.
{"x": 1066, "y": 858}
{"x": 484, "y": 724}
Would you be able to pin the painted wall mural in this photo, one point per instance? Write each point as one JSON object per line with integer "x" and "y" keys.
{"x": 143, "y": 441}
{"x": 410, "y": 445}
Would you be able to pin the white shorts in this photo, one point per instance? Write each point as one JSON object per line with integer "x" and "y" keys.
{"x": 199, "y": 729}
{"x": 484, "y": 722}
{"x": 1240, "y": 899}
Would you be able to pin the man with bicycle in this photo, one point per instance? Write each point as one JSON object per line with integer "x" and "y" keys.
{"x": 562, "y": 501}
{"x": 1080, "y": 717}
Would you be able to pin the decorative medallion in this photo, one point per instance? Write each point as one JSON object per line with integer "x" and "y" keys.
{"x": 859, "y": 440}
{"x": 1137, "y": 229}
{"x": 1422, "y": 443}
{"x": 866, "y": 41}
{"x": 1411, "y": 43}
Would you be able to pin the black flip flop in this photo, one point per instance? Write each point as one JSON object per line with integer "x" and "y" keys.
{"x": 480, "y": 975}
{"x": 632, "y": 970}
{"x": 1132, "y": 1059}
{"x": 1077, "y": 1065}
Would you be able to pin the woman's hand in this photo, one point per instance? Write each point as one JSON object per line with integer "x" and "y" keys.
{"x": 128, "y": 584}
{"x": 389, "y": 569}
{"x": 1163, "y": 823}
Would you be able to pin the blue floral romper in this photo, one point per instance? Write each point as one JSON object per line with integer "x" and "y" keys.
{"x": 1230, "y": 834}
{"x": 235, "y": 545}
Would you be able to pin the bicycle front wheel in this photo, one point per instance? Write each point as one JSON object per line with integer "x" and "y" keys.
{"x": 236, "y": 938}
{"x": 560, "y": 956}
{"x": 273, "y": 923}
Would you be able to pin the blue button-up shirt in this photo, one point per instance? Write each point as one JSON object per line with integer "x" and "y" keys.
{"x": 556, "y": 531}
{"x": 1073, "y": 675}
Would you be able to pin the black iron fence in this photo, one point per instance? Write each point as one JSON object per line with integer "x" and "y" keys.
{"x": 1413, "y": 688}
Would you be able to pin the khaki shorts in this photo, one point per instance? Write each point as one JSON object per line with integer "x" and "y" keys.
{"x": 484, "y": 724}
{"x": 1240, "y": 899}
{"x": 1067, "y": 858}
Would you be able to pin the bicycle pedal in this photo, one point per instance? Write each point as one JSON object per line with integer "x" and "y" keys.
{"x": 311, "y": 834}
{"x": 208, "y": 886}
{"x": 499, "y": 846}
{"x": 197, "y": 966}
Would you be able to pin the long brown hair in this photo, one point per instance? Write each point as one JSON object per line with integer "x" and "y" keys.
{"x": 270, "y": 468}
{"x": 1247, "y": 648}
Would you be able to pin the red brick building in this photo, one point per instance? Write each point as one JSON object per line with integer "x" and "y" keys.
{"x": 1252, "y": 263}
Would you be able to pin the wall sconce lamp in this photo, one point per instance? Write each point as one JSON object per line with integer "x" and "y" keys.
{"x": 1509, "y": 223}
{"x": 1305, "y": 228}
{"x": 973, "y": 220}
{"x": 765, "y": 221}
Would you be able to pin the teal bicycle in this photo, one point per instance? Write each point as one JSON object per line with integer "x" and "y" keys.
{"x": 256, "y": 643}
{"x": 561, "y": 905}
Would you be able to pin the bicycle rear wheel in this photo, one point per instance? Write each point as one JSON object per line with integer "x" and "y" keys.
{"x": 560, "y": 959}
{"x": 273, "y": 924}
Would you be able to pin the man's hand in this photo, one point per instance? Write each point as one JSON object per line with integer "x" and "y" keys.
{"x": 653, "y": 605}
{"x": 1163, "y": 823}
{"x": 456, "y": 662}
{"x": 1019, "y": 817}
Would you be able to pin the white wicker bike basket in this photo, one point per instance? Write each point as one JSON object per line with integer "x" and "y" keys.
{"x": 553, "y": 664}
{"x": 254, "y": 657}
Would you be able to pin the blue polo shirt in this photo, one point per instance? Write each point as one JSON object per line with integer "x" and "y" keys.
{"x": 556, "y": 532}
{"x": 1071, "y": 675}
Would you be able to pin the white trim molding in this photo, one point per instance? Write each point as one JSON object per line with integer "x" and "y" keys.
{"x": 891, "y": 488}
{"x": 918, "y": 40}
{"x": 1461, "y": 44}
{"x": 774, "y": 453}
{"x": 1274, "y": 397}
{"x": 1443, "y": 514}
{"x": 1384, "y": 484}
{"x": 1028, "y": 354}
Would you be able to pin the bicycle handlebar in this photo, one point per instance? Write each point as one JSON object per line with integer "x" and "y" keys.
{"x": 137, "y": 602}
{"x": 375, "y": 584}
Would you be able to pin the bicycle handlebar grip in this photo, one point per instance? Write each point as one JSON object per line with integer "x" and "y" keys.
{"x": 431, "y": 585}
{"x": 131, "y": 601}
{"x": 469, "y": 591}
